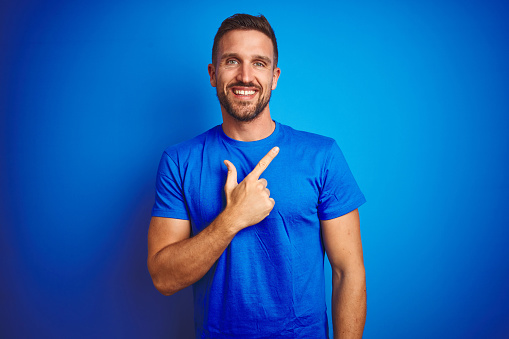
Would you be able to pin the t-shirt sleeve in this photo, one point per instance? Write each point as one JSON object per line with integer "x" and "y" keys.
{"x": 340, "y": 193}
{"x": 170, "y": 201}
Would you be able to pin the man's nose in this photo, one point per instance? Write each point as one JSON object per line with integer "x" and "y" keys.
{"x": 245, "y": 73}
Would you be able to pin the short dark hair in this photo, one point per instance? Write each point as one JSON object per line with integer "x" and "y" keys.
{"x": 244, "y": 22}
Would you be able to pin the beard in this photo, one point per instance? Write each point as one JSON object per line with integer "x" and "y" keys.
{"x": 243, "y": 111}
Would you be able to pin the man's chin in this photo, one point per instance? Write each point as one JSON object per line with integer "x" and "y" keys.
{"x": 243, "y": 111}
{"x": 244, "y": 116}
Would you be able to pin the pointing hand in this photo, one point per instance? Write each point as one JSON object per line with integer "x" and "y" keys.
{"x": 249, "y": 202}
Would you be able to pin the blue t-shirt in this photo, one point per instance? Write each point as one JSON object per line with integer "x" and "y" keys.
{"x": 269, "y": 282}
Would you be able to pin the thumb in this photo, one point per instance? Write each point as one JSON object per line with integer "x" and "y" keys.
{"x": 231, "y": 179}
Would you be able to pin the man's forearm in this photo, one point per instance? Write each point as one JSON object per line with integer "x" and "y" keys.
{"x": 181, "y": 264}
{"x": 348, "y": 304}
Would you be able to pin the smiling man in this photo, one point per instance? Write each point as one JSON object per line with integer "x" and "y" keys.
{"x": 247, "y": 75}
{"x": 245, "y": 211}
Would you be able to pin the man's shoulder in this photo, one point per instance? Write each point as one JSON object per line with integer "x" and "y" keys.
{"x": 189, "y": 146}
{"x": 304, "y": 138}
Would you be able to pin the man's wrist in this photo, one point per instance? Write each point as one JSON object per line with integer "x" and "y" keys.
{"x": 228, "y": 221}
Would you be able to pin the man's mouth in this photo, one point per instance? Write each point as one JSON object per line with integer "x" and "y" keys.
{"x": 244, "y": 92}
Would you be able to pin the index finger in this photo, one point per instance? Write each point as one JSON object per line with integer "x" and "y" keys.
{"x": 262, "y": 164}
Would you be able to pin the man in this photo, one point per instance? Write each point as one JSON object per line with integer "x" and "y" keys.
{"x": 254, "y": 256}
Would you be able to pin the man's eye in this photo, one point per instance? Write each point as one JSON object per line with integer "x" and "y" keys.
{"x": 231, "y": 62}
{"x": 259, "y": 64}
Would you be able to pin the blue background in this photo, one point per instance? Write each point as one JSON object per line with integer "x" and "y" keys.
{"x": 91, "y": 92}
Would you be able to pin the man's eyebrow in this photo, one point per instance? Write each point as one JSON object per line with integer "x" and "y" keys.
{"x": 255, "y": 57}
{"x": 263, "y": 58}
{"x": 229, "y": 55}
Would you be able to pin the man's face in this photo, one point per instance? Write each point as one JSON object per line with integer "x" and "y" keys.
{"x": 244, "y": 74}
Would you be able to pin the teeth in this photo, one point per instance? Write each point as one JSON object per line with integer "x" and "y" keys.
{"x": 242, "y": 92}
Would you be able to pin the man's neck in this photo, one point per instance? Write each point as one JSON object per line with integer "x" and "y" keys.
{"x": 257, "y": 129}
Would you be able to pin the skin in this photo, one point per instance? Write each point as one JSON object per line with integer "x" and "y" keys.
{"x": 177, "y": 260}
{"x": 245, "y": 57}
{"x": 342, "y": 241}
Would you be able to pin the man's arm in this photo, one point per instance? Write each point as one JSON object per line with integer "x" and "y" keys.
{"x": 176, "y": 260}
{"x": 343, "y": 245}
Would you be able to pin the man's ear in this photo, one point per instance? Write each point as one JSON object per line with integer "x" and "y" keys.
{"x": 275, "y": 76}
{"x": 212, "y": 75}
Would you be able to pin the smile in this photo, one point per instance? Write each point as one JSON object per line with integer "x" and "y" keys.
{"x": 243, "y": 92}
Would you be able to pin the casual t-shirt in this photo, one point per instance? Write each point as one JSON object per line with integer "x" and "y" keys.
{"x": 269, "y": 282}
